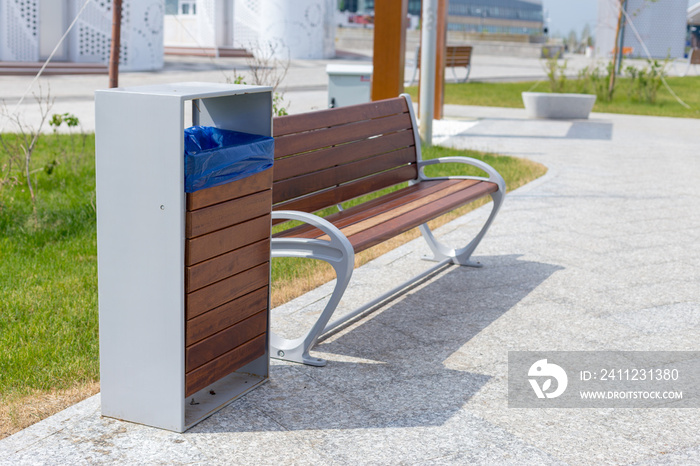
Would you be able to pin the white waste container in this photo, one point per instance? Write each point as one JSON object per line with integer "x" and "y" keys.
{"x": 349, "y": 84}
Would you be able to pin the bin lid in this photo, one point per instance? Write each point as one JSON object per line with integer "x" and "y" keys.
{"x": 349, "y": 70}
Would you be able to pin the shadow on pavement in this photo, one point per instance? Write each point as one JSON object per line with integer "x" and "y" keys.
{"x": 541, "y": 129}
{"x": 400, "y": 378}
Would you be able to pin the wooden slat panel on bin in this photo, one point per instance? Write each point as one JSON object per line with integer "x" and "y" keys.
{"x": 228, "y": 213}
{"x": 231, "y": 263}
{"x": 209, "y": 297}
{"x": 239, "y": 188}
{"x": 224, "y": 341}
{"x": 224, "y": 316}
{"x": 221, "y": 241}
{"x": 225, "y": 364}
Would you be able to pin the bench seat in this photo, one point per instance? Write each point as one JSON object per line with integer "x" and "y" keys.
{"x": 380, "y": 219}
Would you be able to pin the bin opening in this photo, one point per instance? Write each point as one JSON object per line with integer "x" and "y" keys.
{"x": 215, "y": 156}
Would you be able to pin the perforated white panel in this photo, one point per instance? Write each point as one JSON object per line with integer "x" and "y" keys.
{"x": 19, "y": 33}
{"x": 246, "y": 23}
{"x": 298, "y": 29}
{"x": 141, "y": 34}
{"x": 91, "y": 36}
{"x": 206, "y": 22}
{"x": 144, "y": 36}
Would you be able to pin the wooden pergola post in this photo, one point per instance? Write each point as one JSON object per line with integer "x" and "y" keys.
{"x": 116, "y": 43}
{"x": 389, "y": 48}
{"x": 440, "y": 59}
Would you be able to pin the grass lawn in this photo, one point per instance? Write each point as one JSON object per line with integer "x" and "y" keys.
{"x": 49, "y": 355}
{"x": 508, "y": 95}
{"x": 48, "y": 278}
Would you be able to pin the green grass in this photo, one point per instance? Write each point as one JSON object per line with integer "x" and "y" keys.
{"x": 48, "y": 273}
{"x": 509, "y": 95}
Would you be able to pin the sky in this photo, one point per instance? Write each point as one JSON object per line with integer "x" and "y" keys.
{"x": 565, "y": 15}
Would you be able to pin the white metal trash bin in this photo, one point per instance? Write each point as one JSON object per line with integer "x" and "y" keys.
{"x": 183, "y": 278}
{"x": 349, "y": 84}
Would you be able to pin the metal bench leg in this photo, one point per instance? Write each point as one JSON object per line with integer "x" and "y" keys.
{"x": 469, "y": 70}
{"x": 338, "y": 253}
{"x": 462, "y": 256}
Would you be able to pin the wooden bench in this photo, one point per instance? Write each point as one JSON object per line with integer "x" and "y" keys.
{"x": 456, "y": 56}
{"x": 327, "y": 157}
{"x": 693, "y": 59}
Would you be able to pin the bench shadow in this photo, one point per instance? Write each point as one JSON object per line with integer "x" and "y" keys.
{"x": 404, "y": 366}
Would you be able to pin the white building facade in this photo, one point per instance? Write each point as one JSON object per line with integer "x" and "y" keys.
{"x": 31, "y": 29}
{"x": 661, "y": 26}
{"x": 300, "y": 29}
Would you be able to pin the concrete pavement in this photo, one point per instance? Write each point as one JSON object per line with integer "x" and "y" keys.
{"x": 599, "y": 254}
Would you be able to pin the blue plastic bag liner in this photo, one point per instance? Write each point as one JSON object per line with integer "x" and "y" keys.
{"x": 215, "y": 156}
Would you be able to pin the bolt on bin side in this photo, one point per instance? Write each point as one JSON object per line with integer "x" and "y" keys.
{"x": 183, "y": 277}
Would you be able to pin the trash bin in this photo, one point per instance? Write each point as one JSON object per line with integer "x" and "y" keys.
{"x": 183, "y": 248}
{"x": 215, "y": 156}
{"x": 349, "y": 84}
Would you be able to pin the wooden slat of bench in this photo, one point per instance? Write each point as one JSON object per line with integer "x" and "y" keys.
{"x": 455, "y": 55}
{"x": 211, "y": 348}
{"x": 289, "y": 167}
{"x": 224, "y": 316}
{"x": 408, "y": 208}
{"x": 333, "y": 196}
{"x": 326, "y": 137}
{"x": 317, "y": 181}
{"x": 332, "y": 117}
{"x": 364, "y": 219}
{"x": 228, "y": 213}
{"x": 207, "y": 298}
{"x": 376, "y": 221}
{"x": 225, "y": 364}
{"x": 367, "y": 238}
{"x": 223, "y": 266}
{"x": 370, "y": 208}
{"x": 225, "y": 192}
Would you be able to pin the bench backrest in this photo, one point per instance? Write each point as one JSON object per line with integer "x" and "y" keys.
{"x": 458, "y": 55}
{"x": 326, "y": 157}
{"x": 455, "y": 55}
{"x": 694, "y": 57}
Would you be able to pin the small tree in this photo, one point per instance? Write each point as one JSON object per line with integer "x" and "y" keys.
{"x": 19, "y": 150}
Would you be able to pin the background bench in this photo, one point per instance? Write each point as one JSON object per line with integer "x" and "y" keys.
{"x": 456, "y": 56}
{"x": 327, "y": 157}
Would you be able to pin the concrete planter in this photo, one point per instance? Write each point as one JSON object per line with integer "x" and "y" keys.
{"x": 564, "y": 106}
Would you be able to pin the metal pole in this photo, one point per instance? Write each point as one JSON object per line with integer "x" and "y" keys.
{"x": 427, "y": 70}
{"x": 621, "y": 44}
{"x": 116, "y": 43}
{"x": 613, "y": 71}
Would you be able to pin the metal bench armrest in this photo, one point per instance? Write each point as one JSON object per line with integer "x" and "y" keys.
{"x": 493, "y": 175}
{"x": 337, "y": 252}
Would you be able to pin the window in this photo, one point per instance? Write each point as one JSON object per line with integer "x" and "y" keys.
{"x": 188, "y": 7}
